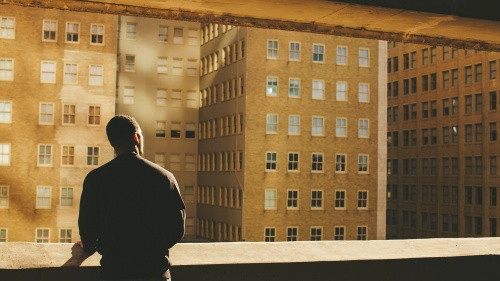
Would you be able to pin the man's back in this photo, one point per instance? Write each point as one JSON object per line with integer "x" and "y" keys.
{"x": 133, "y": 209}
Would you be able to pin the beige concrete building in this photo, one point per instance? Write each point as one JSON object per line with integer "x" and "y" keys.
{"x": 158, "y": 84}
{"x": 57, "y": 89}
{"x": 291, "y": 147}
{"x": 443, "y": 146}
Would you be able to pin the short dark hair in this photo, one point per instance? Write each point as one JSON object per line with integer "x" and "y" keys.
{"x": 120, "y": 130}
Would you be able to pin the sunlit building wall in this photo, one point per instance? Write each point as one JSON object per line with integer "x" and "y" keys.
{"x": 443, "y": 147}
{"x": 57, "y": 91}
{"x": 291, "y": 147}
{"x": 158, "y": 84}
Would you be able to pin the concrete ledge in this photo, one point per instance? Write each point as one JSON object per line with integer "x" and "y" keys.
{"x": 429, "y": 259}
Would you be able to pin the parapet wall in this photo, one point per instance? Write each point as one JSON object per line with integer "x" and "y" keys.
{"x": 429, "y": 259}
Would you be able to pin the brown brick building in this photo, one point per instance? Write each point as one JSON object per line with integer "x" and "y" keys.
{"x": 442, "y": 115}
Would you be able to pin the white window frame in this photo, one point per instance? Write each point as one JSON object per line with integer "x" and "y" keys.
{"x": 294, "y": 54}
{"x": 322, "y": 163}
{"x": 270, "y": 199}
{"x": 337, "y": 234}
{"x": 48, "y": 70}
{"x": 341, "y": 58}
{"x": 293, "y": 86}
{"x": 92, "y": 156}
{"x": 5, "y": 154}
{"x": 70, "y": 73}
{"x": 271, "y": 162}
{"x": 178, "y": 38}
{"x": 363, "y": 236}
{"x": 129, "y": 65}
{"x": 340, "y": 199}
{"x": 272, "y": 123}
{"x": 96, "y": 117}
{"x": 9, "y": 31}
{"x": 366, "y": 200}
{"x": 294, "y": 199}
{"x": 316, "y": 228}
{"x": 293, "y": 161}
{"x": 294, "y": 124}
{"x": 43, "y": 238}
{"x": 128, "y": 95}
{"x": 40, "y": 196}
{"x": 269, "y": 234}
{"x": 67, "y": 196}
{"x": 317, "y": 129}
{"x": 362, "y": 163}
{"x": 163, "y": 33}
{"x": 161, "y": 97}
{"x": 63, "y": 237}
{"x": 6, "y": 69}
{"x": 67, "y": 152}
{"x": 338, "y": 169}
{"x": 68, "y": 114}
{"x": 96, "y": 75}
{"x": 320, "y": 200}
{"x": 131, "y": 31}
{"x": 5, "y": 111}
{"x": 272, "y": 83}
{"x": 272, "y": 51}
{"x": 70, "y": 25}
{"x": 98, "y": 33}
{"x": 4, "y": 234}
{"x": 4, "y": 196}
{"x": 364, "y": 92}
{"x": 341, "y": 127}
{"x": 318, "y": 53}
{"x": 292, "y": 237}
{"x": 341, "y": 94}
{"x": 363, "y": 128}
{"x": 46, "y": 114}
{"x": 364, "y": 61}
{"x": 162, "y": 65}
{"x": 45, "y": 28}
{"x": 318, "y": 89}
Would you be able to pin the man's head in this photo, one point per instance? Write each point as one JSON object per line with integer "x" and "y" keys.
{"x": 124, "y": 134}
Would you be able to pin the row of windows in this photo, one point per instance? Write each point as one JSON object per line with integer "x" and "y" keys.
{"x": 45, "y": 153}
{"x": 318, "y": 91}
{"x": 42, "y": 235}
{"x": 318, "y": 53}
{"x": 225, "y": 231}
{"x": 473, "y": 165}
{"x": 317, "y": 126}
{"x": 72, "y": 32}
{"x": 175, "y": 130}
{"x": 212, "y": 31}
{"x": 315, "y": 234}
{"x": 177, "y": 161}
{"x": 228, "y": 55}
{"x": 450, "y": 135}
{"x": 48, "y": 72}
{"x": 47, "y": 111}
{"x": 472, "y": 226}
{"x": 43, "y": 197}
{"x": 165, "y": 65}
{"x": 132, "y": 32}
{"x": 227, "y": 161}
{"x": 223, "y": 91}
{"x": 316, "y": 199}
{"x": 164, "y": 97}
{"x": 317, "y": 164}
{"x": 229, "y": 197}
{"x": 450, "y": 107}
{"x": 429, "y": 81}
{"x": 228, "y": 125}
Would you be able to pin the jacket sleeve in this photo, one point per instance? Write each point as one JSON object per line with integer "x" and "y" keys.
{"x": 88, "y": 219}
{"x": 177, "y": 215}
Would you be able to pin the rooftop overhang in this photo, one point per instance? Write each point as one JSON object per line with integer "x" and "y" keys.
{"x": 463, "y": 24}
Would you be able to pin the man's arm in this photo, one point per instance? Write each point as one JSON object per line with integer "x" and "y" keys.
{"x": 177, "y": 215}
{"x": 88, "y": 220}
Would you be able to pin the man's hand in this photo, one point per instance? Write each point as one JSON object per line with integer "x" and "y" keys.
{"x": 80, "y": 243}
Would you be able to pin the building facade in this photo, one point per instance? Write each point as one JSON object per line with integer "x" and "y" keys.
{"x": 158, "y": 84}
{"x": 57, "y": 90}
{"x": 291, "y": 147}
{"x": 442, "y": 117}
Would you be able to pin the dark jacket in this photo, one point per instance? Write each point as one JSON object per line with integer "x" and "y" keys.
{"x": 131, "y": 212}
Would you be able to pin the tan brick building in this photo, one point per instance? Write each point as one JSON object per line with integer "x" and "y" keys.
{"x": 57, "y": 89}
{"x": 291, "y": 147}
{"x": 442, "y": 119}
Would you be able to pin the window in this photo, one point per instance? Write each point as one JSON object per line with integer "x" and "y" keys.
{"x": 318, "y": 53}
{"x": 395, "y": 88}
{"x": 339, "y": 233}
{"x": 413, "y": 85}
{"x": 478, "y": 70}
{"x": 178, "y": 35}
{"x": 70, "y": 73}
{"x": 317, "y": 126}
{"x": 48, "y": 72}
{"x": 193, "y": 36}
{"x": 3, "y": 235}
{"x": 292, "y": 233}
{"x": 272, "y": 49}
{"x": 72, "y": 32}
{"x": 175, "y": 162}
{"x": 454, "y": 77}
{"x": 364, "y": 92}
{"x": 294, "y": 51}
{"x": 189, "y": 162}
{"x": 364, "y": 57}
{"x": 68, "y": 155}
{"x": 46, "y": 114}
{"x": 406, "y": 86}
{"x": 131, "y": 32}
{"x": 433, "y": 55}
{"x": 175, "y": 130}
{"x": 293, "y": 87}
{"x": 433, "y": 81}
{"x": 493, "y": 101}
{"x": 272, "y": 124}
{"x": 49, "y": 30}
{"x": 342, "y": 56}
{"x": 363, "y": 163}
{"x": 479, "y": 132}
{"x": 44, "y": 155}
{"x": 191, "y": 67}
{"x": 97, "y": 34}
{"x": 318, "y": 89}
{"x": 4, "y": 154}
{"x": 363, "y": 128}
{"x": 293, "y": 124}
{"x": 7, "y": 27}
{"x": 468, "y": 75}
{"x": 269, "y": 234}
{"x": 341, "y": 93}
{"x": 340, "y": 199}
{"x": 413, "y": 111}
{"x": 65, "y": 235}
{"x": 270, "y": 199}
{"x": 176, "y": 98}
{"x": 362, "y": 199}
{"x": 413, "y": 59}
{"x": 292, "y": 199}
{"x": 317, "y": 199}
{"x": 92, "y": 156}
{"x": 293, "y": 161}
{"x": 67, "y": 196}
{"x": 362, "y": 233}
{"x": 190, "y": 130}
{"x": 389, "y": 65}
{"x": 425, "y": 56}
{"x": 6, "y": 69}
{"x": 160, "y": 159}
{"x": 42, "y": 235}
{"x": 129, "y": 63}
{"x": 43, "y": 197}
{"x": 317, "y": 162}
{"x": 94, "y": 117}
{"x": 272, "y": 86}
{"x": 446, "y": 79}
{"x": 4, "y": 197}
{"x": 160, "y": 129}
{"x": 425, "y": 83}
{"x": 271, "y": 161}
{"x": 493, "y": 70}
{"x": 163, "y": 33}
{"x": 341, "y": 127}
{"x": 316, "y": 233}
{"x": 493, "y": 131}
{"x": 95, "y": 75}
{"x": 406, "y": 61}
{"x": 161, "y": 65}
{"x": 340, "y": 163}
{"x": 128, "y": 95}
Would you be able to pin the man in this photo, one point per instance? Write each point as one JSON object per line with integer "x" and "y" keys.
{"x": 131, "y": 210}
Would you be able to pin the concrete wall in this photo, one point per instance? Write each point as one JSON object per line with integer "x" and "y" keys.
{"x": 430, "y": 259}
